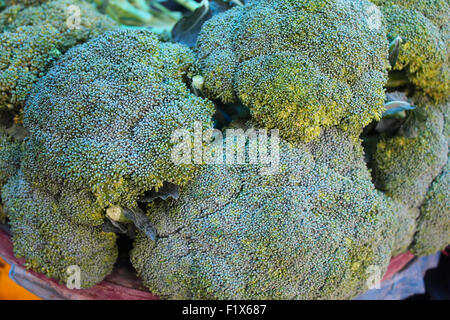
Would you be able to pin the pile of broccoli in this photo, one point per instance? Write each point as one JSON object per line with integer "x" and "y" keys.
{"x": 88, "y": 117}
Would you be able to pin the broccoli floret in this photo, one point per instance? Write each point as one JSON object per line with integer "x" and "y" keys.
{"x": 317, "y": 229}
{"x": 298, "y": 65}
{"x": 404, "y": 226}
{"x": 50, "y": 241}
{"x": 10, "y": 154}
{"x": 33, "y": 37}
{"x": 100, "y": 121}
{"x": 26, "y": 3}
{"x": 406, "y": 164}
{"x": 433, "y": 225}
{"x": 423, "y": 26}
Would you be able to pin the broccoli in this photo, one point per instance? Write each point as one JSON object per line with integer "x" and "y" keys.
{"x": 26, "y": 3}
{"x": 404, "y": 226}
{"x": 100, "y": 122}
{"x": 406, "y": 164}
{"x": 406, "y": 167}
{"x": 423, "y": 26}
{"x": 317, "y": 229}
{"x": 10, "y": 153}
{"x": 433, "y": 225}
{"x": 298, "y": 65}
{"x": 33, "y": 37}
{"x": 50, "y": 241}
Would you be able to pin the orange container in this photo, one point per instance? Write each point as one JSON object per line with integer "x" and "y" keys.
{"x": 9, "y": 290}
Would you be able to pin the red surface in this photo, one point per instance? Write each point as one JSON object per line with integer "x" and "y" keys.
{"x": 120, "y": 285}
{"x": 397, "y": 263}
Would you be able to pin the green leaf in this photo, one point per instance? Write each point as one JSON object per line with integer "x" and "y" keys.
{"x": 394, "y": 107}
{"x": 394, "y": 50}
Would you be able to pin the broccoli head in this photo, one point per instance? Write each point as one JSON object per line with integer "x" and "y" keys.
{"x": 423, "y": 26}
{"x": 298, "y": 65}
{"x": 433, "y": 225}
{"x": 100, "y": 121}
{"x": 10, "y": 154}
{"x": 24, "y": 2}
{"x": 407, "y": 163}
{"x": 409, "y": 166}
{"x": 33, "y": 37}
{"x": 316, "y": 229}
{"x": 404, "y": 226}
{"x": 50, "y": 241}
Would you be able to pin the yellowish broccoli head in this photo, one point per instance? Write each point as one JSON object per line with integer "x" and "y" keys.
{"x": 299, "y": 66}
{"x": 424, "y": 28}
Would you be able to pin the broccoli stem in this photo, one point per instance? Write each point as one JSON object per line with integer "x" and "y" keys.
{"x": 126, "y": 10}
{"x": 117, "y": 213}
{"x": 139, "y": 12}
{"x": 141, "y": 4}
{"x": 175, "y": 16}
{"x": 189, "y": 4}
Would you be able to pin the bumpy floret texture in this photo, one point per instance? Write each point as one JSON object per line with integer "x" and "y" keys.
{"x": 24, "y": 2}
{"x": 433, "y": 225}
{"x": 50, "y": 241}
{"x": 100, "y": 121}
{"x": 317, "y": 229}
{"x": 406, "y": 167}
{"x": 33, "y": 37}
{"x": 10, "y": 154}
{"x": 299, "y": 65}
{"x": 406, "y": 164}
{"x": 404, "y": 226}
{"x": 424, "y": 28}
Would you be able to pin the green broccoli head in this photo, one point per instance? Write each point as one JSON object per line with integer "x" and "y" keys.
{"x": 10, "y": 154}
{"x": 50, "y": 241}
{"x": 314, "y": 230}
{"x": 298, "y": 65}
{"x": 24, "y": 2}
{"x": 406, "y": 164}
{"x": 404, "y": 226}
{"x": 33, "y": 37}
{"x": 101, "y": 120}
{"x": 424, "y": 28}
{"x": 433, "y": 225}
